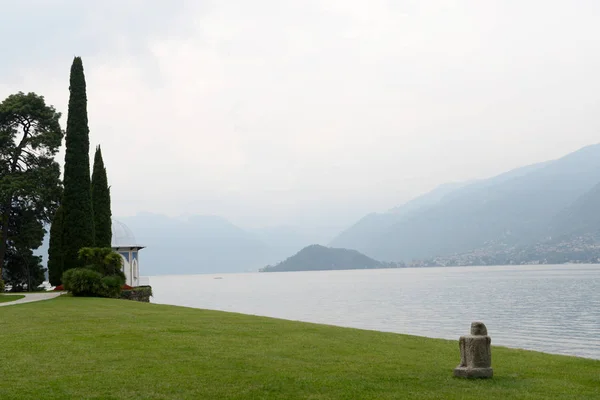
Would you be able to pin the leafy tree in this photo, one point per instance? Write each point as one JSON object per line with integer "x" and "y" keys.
{"x": 78, "y": 218}
{"x": 101, "y": 202}
{"x": 30, "y": 136}
{"x": 55, "y": 249}
{"x": 23, "y": 269}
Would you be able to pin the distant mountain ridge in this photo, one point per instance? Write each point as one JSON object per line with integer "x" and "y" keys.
{"x": 208, "y": 244}
{"x": 373, "y": 223}
{"x": 580, "y": 218}
{"x": 517, "y": 215}
{"x": 319, "y": 258}
{"x": 518, "y": 207}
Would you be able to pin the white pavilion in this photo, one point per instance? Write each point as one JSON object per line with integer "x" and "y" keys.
{"x": 124, "y": 243}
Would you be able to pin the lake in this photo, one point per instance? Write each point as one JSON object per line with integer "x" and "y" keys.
{"x": 549, "y": 308}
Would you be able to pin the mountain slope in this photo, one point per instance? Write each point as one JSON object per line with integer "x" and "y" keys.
{"x": 374, "y": 223}
{"x": 514, "y": 207}
{"x": 286, "y": 240}
{"x": 581, "y": 217}
{"x": 198, "y": 244}
{"x": 207, "y": 244}
{"x": 316, "y": 257}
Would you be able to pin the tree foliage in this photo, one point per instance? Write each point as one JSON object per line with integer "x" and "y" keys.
{"x": 101, "y": 202}
{"x": 22, "y": 269}
{"x": 78, "y": 219}
{"x": 83, "y": 282}
{"x": 100, "y": 273}
{"x": 55, "y": 249}
{"x": 30, "y": 136}
{"x": 104, "y": 260}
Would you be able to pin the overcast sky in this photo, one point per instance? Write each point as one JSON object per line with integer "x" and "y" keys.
{"x": 310, "y": 112}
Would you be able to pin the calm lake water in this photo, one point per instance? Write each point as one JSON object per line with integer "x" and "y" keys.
{"x": 554, "y": 309}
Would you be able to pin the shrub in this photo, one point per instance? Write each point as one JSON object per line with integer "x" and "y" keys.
{"x": 83, "y": 282}
{"x": 140, "y": 293}
{"x": 112, "y": 286}
{"x": 103, "y": 260}
{"x": 101, "y": 276}
{"x": 87, "y": 282}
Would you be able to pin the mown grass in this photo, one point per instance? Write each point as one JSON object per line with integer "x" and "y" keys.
{"x": 5, "y": 298}
{"x": 84, "y": 348}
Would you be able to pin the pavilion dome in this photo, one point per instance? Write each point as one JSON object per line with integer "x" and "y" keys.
{"x": 122, "y": 236}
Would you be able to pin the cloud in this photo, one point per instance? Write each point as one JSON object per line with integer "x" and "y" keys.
{"x": 303, "y": 112}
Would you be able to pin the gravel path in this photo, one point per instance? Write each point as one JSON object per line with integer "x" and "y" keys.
{"x": 30, "y": 297}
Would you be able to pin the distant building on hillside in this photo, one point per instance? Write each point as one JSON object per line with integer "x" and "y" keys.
{"x": 124, "y": 243}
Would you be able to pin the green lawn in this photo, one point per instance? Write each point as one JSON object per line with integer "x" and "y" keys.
{"x": 5, "y": 298}
{"x": 73, "y": 348}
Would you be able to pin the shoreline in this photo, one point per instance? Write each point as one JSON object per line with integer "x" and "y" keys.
{"x": 377, "y": 330}
{"x": 521, "y": 305}
{"x": 515, "y": 266}
{"x": 178, "y": 352}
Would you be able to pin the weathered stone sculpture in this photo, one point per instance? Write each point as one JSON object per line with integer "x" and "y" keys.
{"x": 475, "y": 353}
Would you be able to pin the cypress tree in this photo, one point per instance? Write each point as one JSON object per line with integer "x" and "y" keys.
{"x": 101, "y": 202}
{"x": 55, "y": 250}
{"x": 78, "y": 218}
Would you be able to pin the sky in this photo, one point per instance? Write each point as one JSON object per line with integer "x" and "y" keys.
{"x": 310, "y": 113}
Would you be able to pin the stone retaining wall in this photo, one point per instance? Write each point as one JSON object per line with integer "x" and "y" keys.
{"x": 140, "y": 293}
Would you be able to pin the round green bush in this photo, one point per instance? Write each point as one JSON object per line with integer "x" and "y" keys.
{"x": 83, "y": 282}
{"x": 112, "y": 286}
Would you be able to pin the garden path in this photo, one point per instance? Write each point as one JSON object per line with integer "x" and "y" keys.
{"x": 30, "y": 297}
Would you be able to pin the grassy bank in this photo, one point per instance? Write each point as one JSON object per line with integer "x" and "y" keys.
{"x": 5, "y": 298}
{"x": 115, "y": 349}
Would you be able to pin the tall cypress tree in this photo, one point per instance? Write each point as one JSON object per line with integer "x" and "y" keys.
{"x": 78, "y": 219}
{"x": 55, "y": 249}
{"x": 101, "y": 202}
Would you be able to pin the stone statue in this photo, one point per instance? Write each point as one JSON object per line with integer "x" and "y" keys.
{"x": 475, "y": 353}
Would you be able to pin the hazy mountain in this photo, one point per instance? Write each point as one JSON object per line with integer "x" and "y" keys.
{"x": 581, "y": 217}
{"x": 522, "y": 207}
{"x": 285, "y": 240}
{"x": 572, "y": 236}
{"x": 196, "y": 244}
{"x": 369, "y": 226}
{"x": 207, "y": 244}
{"x": 316, "y": 257}
{"x": 210, "y": 244}
{"x": 514, "y": 207}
